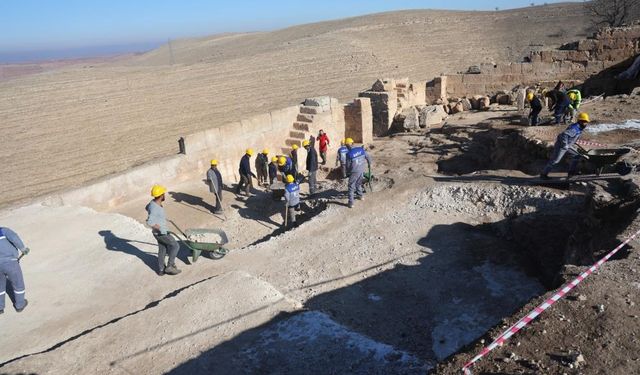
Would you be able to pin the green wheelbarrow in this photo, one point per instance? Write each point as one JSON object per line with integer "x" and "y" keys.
{"x": 211, "y": 250}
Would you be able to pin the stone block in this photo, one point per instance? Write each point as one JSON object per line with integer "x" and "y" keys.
{"x": 322, "y": 101}
{"x": 407, "y": 120}
{"x": 432, "y": 115}
{"x": 384, "y": 106}
{"x": 466, "y": 104}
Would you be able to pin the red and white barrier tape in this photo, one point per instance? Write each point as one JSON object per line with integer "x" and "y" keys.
{"x": 540, "y": 309}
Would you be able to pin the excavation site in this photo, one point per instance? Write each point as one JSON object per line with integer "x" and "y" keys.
{"x": 342, "y": 197}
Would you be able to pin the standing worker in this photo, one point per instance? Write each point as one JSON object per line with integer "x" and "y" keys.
{"x": 214, "y": 178}
{"x": 341, "y": 159}
{"x": 157, "y": 220}
{"x": 273, "y": 170}
{"x": 564, "y": 144}
{"x": 292, "y": 198}
{"x": 356, "y": 158}
{"x": 559, "y": 104}
{"x": 312, "y": 165}
{"x": 285, "y": 166}
{"x": 323, "y": 142}
{"x": 575, "y": 100}
{"x": 245, "y": 173}
{"x": 262, "y": 162}
{"x": 536, "y": 108}
{"x": 294, "y": 159}
{"x": 11, "y": 249}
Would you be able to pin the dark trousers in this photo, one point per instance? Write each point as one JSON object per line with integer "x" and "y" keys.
{"x": 559, "y": 112}
{"x": 11, "y": 271}
{"x": 312, "y": 182}
{"x": 166, "y": 245}
{"x": 218, "y": 202}
{"x": 534, "y": 116}
{"x": 245, "y": 182}
{"x": 323, "y": 156}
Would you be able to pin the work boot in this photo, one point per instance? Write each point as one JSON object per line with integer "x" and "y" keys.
{"x": 350, "y": 204}
{"x": 26, "y": 302}
{"x": 1, "y": 312}
{"x": 360, "y": 197}
{"x": 172, "y": 270}
{"x": 544, "y": 177}
{"x": 160, "y": 273}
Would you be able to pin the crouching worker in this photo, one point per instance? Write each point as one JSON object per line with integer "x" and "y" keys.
{"x": 564, "y": 144}
{"x": 11, "y": 249}
{"x": 273, "y": 170}
{"x": 292, "y": 198}
{"x": 157, "y": 220}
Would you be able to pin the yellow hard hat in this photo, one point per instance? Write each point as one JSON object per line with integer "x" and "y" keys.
{"x": 265, "y": 151}
{"x": 290, "y": 179}
{"x": 573, "y": 96}
{"x": 158, "y": 190}
{"x": 348, "y": 141}
{"x": 305, "y": 143}
{"x": 530, "y": 96}
{"x": 214, "y": 162}
{"x": 282, "y": 161}
{"x": 249, "y": 152}
{"x": 274, "y": 159}
{"x": 584, "y": 117}
{"x": 295, "y": 147}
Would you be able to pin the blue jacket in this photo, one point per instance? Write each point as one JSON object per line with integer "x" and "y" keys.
{"x": 312, "y": 159}
{"x": 273, "y": 171}
{"x": 342, "y": 154}
{"x": 245, "y": 166}
{"x": 287, "y": 168}
{"x": 10, "y": 243}
{"x": 292, "y": 194}
{"x": 357, "y": 160}
{"x": 569, "y": 137}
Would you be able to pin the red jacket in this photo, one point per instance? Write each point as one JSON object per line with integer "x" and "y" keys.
{"x": 324, "y": 142}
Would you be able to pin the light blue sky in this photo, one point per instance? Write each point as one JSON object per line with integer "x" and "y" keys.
{"x": 27, "y": 25}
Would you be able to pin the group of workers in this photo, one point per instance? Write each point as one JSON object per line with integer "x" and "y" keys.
{"x": 353, "y": 161}
{"x": 562, "y": 102}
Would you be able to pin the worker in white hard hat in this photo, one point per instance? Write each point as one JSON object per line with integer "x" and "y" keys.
{"x": 157, "y": 220}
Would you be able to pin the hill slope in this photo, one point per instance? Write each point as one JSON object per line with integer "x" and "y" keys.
{"x": 66, "y": 127}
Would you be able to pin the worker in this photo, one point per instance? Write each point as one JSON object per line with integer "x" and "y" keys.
{"x": 575, "y": 100}
{"x": 292, "y": 198}
{"x": 559, "y": 104}
{"x": 312, "y": 165}
{"x": 245, "y": 173}
{"x": 11, "y": 249}
{"x": 560, "y": 86}
{"x": 323, "y": 143}
{"x": 157, "y": 220}
{"x": 285, "y": 166}
{"x": 356, "y": 158}
{"x": 536, "y": 108}
{"x": 564, "y": 144}
{"x": 341, "y": 159}
{"x": 294, "y": 159}
{"x": 214, "y": 179}
{"x": 262, "y": 168}
{"x": 273, "y": 170}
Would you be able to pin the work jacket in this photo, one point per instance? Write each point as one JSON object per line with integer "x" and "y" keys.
{"x": 10, "y": 243}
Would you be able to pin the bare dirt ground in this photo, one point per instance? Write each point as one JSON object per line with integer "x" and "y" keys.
{"x": 417, "y": 272}
{"x": 65, "y": 127}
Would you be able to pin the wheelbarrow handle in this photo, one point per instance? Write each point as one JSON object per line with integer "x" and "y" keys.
{"x": 178, "y": 228}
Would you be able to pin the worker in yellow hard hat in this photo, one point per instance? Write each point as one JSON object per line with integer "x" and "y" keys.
{"x": 262, "y": 167}
{"x": 341, "y": 159}
{"x": 312, "y": 165}
{"x": 285, "y": 166}
{"x": 357, "y": 162}
{"x": 245, "y": 173}
{"x": 157, "y": 220}
{"x": 292, "y": 198}
{"x": 294, "y": 159}
{"x": 214, "y": 179}
{"x": 575, "y": 100}
{"x": 273, "y": 170}
{"x": 536, "y": 107}
{"x": 565, "y": 143}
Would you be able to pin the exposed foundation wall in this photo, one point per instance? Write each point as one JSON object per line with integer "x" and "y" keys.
{"x": 359, "y": 120}
{"x": 384, "y": 106}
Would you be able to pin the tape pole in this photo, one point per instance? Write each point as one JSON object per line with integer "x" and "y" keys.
{"x": 559, "y": 294}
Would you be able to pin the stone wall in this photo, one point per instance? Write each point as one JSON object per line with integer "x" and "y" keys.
{"x": 359, "y": 120}
{"x": 384, "y": 106}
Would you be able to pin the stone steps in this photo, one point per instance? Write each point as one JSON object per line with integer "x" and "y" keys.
{"x": 305, "y": 118}
{"x": 310, "y": 110}
{"x": 290, "y": 142}
{"x": 301, "y": 126}
{"x": 297, "y": 135}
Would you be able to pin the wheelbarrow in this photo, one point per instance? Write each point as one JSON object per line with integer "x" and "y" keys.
{"x": 368, "y": 180}
{"x": 605, "y": 157}
{"x": 211, "y": 250}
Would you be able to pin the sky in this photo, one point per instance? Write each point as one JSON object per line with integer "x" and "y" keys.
{"x": 58, "y": 25}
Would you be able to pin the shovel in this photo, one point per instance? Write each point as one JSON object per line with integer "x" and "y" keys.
{"x": 220, "y": 200}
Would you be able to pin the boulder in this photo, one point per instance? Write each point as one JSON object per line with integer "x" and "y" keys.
{"x": 636, "y": 91}
{"x": 466, "y": 104}
{"x": 456, "y": 107}
{"x": 475, "y": 101}
{"x": 407, "y": 120}
{"x": 484, "y": 103}
{"x": 504, "y": 99}
{"x": 432, "y": 115}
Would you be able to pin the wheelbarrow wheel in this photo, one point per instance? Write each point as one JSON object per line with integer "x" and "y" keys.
{"x": 216, "y": 254}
